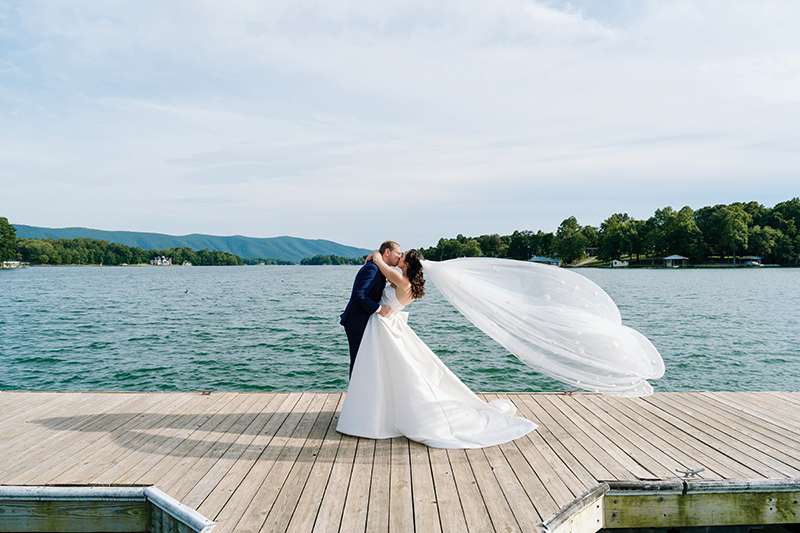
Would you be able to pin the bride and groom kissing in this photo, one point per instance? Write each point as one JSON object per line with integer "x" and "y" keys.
{"x": 398, "y": 386}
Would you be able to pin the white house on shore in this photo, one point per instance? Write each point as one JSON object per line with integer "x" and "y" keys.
{"x": 675, "y": 261}
{"x": 751, "y": 260}
{"x": 161, "y": 261}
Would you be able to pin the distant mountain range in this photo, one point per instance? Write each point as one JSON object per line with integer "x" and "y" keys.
{"x": 289, "y": 248}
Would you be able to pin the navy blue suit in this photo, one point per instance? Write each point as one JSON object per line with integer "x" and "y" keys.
{"x": 367, "y": 291}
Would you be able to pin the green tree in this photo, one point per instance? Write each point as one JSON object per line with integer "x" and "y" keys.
{"x": 638, "y": 232}
{"x": 785, "y": 217}
{"x": 8, "y": 240}
{"x": 592, "y": 235}
{"x": 542, "y": 244}
{"x": 470, "y": 248}
{"x": 493, "y": 246}
{"x": 674, "y": 232}
{"x": 569, "y": 243}
{"x": 615, "y": 237}
{"x": 706, "y": 220}
{"x": 452, "y": 249}
{"x": 36, "y": 250}
{"x": 520, "y": 245}
{"x": 731, "y": 223}
{"x": 763, "y": 240}
{"x": 756, "y": 211}
{"x": 331, "y": 260}
{"x": 683, "y": 235}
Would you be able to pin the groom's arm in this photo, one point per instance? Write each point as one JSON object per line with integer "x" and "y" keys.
{"x": 365, "y": 280}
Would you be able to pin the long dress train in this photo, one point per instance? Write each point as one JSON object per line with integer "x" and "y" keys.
{"x": 399, "y": 387}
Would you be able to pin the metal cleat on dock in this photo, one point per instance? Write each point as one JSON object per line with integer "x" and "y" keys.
{"x": 690, "y": 473}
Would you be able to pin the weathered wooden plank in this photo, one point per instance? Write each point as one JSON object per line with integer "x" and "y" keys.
{"x": 378, "y": 502}
{"x": 18, "y": 406}
{"x": 295, "y": 425}
{"x": 176, "y": 447}
{"x": 775, "y": 407}
{"x": 332, "y": 500}
{"x": 780, "y": 401}
{"x": 634, "y": 440}
{"x": 706, "y": 506}
{"x": 727, "y": 439}
{"x": 310, "y": 501}
{"x": 601, "y": 449}
{"x": 520, "y": 504}
{"x": 192, "y": 491}
{"x": 101, "y": 446}
{"x": 288, "y": 497}
{"x": 46, "y": 430}
{"x": 357, "y": 498}
{"x": 497, "y": 505}
{"x": 46, "y": 458}
{"x": 256, "y": 460}
{"x": 401, "y": 512}
{"x": 595, "y": 430}
{"x": 73, "y": 515}
{"x": 259, "y": 504}
{"x": 685, "y": 449}
{"x": 790, "y": 397}
{"x": 451, "y": 515}
{"x": 426, "y": 512}
{"x": 309, "y": 505}
{"x": 534, "y": 489}
{"x": 476, "y": 515}
{"x": 202, "y": 439}
{"x": 776, "y": 432}
{"x": 227, "y": 457}
{"x": 562, "y": 444}
{"x": 562, "y": 484}
{"x": 11, "y": 399}
{"x": 96, "y": 442}
{"x": 146, "y": 443}
{"x": 592, "y": 458}
{"x": 769, "y": 409}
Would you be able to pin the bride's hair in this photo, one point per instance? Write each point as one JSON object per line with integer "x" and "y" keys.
{"x": 414, "y": 273}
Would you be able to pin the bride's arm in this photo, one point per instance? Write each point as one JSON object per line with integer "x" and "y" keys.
{"x": 395, "y": 278}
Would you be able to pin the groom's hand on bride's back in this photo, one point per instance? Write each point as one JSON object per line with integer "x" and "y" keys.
{"x": 385, "y": 311}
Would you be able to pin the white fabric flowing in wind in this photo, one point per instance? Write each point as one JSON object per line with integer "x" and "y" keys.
{"x": 554, "y": 320}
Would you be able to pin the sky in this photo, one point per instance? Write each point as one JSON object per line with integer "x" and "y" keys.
{"x": 364, "y": 120}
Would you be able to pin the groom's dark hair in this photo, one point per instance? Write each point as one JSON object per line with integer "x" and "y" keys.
{"x": 388, "y": 245}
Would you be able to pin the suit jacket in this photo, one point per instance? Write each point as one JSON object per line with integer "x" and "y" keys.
{"x": 367, "y": 291}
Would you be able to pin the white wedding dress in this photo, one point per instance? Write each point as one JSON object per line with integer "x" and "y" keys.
{"x": 399, "y": 387}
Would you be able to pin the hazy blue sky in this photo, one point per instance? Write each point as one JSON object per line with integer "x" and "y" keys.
{"x": 361, "y": 120}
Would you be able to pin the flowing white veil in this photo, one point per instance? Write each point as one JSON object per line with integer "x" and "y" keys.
{"x": 554, "y": 320}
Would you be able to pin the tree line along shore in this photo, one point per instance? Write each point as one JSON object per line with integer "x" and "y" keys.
{"x": 85, "y": 251}
{"x": 712, "y": 234}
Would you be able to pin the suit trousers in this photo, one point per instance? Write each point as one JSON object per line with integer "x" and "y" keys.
{"x": 354, "y": 340}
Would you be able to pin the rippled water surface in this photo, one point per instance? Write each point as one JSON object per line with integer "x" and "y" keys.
{"x": 276, "y": 328}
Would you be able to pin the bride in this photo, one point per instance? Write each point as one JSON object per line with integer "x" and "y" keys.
{"x": 399, "y": 387}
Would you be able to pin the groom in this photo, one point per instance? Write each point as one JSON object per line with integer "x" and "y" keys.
{"x": 367, "y": 291}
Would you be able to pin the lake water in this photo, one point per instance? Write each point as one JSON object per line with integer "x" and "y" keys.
{"x": 276, "y": 328}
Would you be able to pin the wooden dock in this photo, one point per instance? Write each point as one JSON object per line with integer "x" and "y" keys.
{"x": 274, "y": 461}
